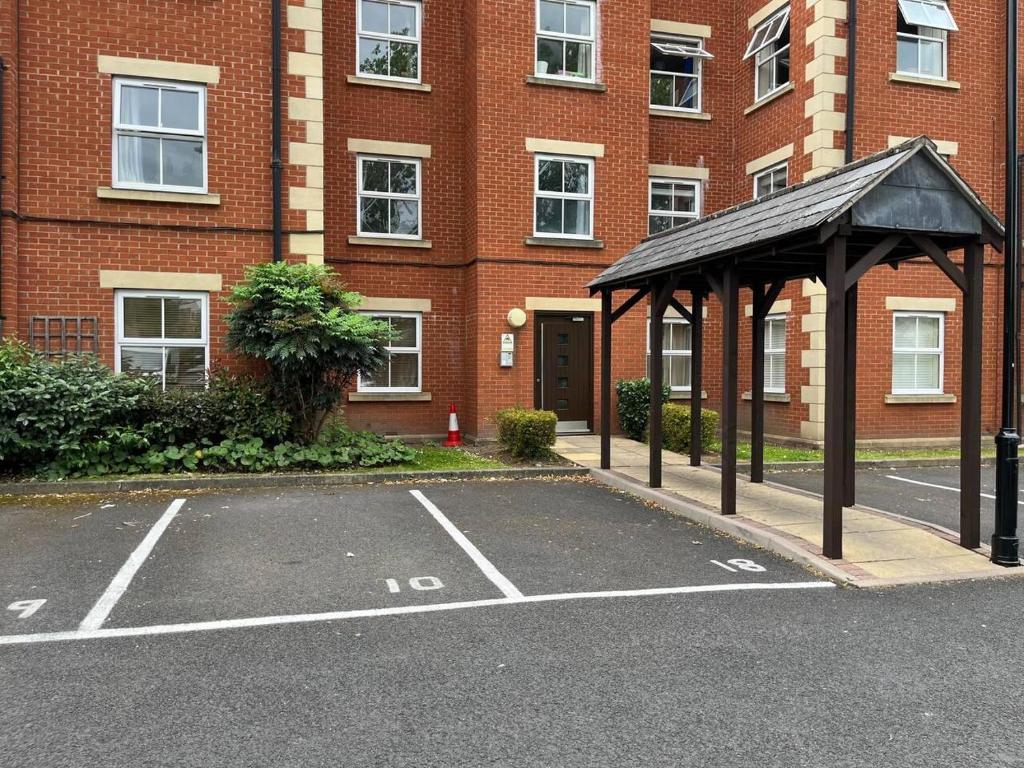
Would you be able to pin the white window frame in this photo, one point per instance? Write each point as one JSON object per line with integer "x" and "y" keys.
{"x": 683, "y": 353}
{"x": 769, "y": 350}
{"x": 771, "y": 170}
{"x": 684, "y": 47}
{"x": 147, "y": 131}
{"x": 418, "y": 350}
{"x": 566, "y": 37}
{"x": 697, "y": 200}
{"x": 940, "y": 351}
{"x": 589, "y": 162}
{"x": 940, "y": 36}
{"x": 120, "y": 340}
{"x": 763, "y": 50}
{"x": 418, "y": 197}
{"x": 392, "y": 38}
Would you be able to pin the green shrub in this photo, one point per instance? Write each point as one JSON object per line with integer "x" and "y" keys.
{"x": 300, "y": 321}
{"x": 527, "y": 434}
{"x": 635, "y": 405}
{"x": 230, "y": 407}
{"x": 48, "y": 408}
{"x": 675, "y": 427}
{"x": 126, "y": 453}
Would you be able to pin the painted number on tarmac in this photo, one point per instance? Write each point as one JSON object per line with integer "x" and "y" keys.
{"x": 25, "y": 608}
{"x": 419, "y": 583}
{"x": 740, "y": 564}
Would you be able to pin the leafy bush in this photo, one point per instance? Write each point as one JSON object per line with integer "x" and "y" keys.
{"x": 300, "y": 321}
{"x": 635, "y": 405}
{"x": 675, "y": 427}
{"x": 230, "y": 407}
{"x": 127, "y": 452}
{"x": 527, "y": 434}
{"x": 48, "y": 408}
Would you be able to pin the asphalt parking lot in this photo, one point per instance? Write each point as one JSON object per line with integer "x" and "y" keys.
{"x": 487, "y": 623}
{"x": 129, "y": 562}
{"x": 930, "y": 494}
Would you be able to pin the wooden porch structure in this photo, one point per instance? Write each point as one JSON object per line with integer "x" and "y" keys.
{"x": 904, "y": 203}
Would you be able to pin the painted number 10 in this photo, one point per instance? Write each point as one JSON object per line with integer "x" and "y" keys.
{"x": 419, "y": 583}
{"x": 740, "y": 564}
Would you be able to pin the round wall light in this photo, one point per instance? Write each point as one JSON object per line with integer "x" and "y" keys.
{"x": 516, "y": 318}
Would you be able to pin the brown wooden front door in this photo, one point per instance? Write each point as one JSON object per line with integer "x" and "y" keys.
{"x": 564, "y": 365}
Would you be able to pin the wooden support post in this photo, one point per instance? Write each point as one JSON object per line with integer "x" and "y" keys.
{"x": 696, "y": 375}
{"x": 730, "y": 374}
{"x": 850, "y": 401}
{"x": 835, "y": 383}
{"x": 606, "y": 379}
{"x": 757, "y": 385}
{"x": 660, "y": 295}
{"x": 970, "y": 398}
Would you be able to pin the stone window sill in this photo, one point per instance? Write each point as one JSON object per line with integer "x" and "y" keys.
{"x": 683, "y": 395}
{"x": 897, "y": 77}
{"x": 155, "y": 196}
{"x": 389, "y": 242}
{"x": 657, "y": 112}
{"x": 397, "y": 84}
{"x": 919, "y": 399}
{"x": 389, "y": 397}
{"x": 581, "y": 85}
{"x": 563, "y": 242}
{"x": 770, "y": 397}
{"x": 787, "y": 88}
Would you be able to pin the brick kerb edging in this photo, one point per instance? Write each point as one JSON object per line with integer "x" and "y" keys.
{"x": 215, "y": 482}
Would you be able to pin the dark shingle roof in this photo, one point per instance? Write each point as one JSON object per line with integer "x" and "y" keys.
{"x": 788, "y": 212}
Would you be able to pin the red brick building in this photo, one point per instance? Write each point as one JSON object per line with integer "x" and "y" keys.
{"x": 469, "y": 167}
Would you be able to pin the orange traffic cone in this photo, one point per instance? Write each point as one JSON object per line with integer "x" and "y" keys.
{"x": 454, "y": 435}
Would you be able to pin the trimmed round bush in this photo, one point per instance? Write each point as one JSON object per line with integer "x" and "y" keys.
{"x": 527, "y": 434}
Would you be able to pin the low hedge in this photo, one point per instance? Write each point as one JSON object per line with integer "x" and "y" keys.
{"x": 527, "y": 434}
{"x": 675, "y": 427}
{"x": 635, "y": 405}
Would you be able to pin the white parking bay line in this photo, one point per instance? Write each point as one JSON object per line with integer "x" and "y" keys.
{"x": 507, "y": 587}
{"x": 307, "y": 618}
{"x": 99, "y": 613}
{"x": 940, "y": 487}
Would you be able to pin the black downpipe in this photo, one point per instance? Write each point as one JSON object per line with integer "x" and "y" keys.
{"x": 851, "y": 75}
{"x": 275, "y": 160}
{"x": 1005, "y": 544}
{"x": 3, "y": 69}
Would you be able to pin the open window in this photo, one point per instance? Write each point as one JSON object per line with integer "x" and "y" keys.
{"x": 769, "y": 47}
{"x": 676, "y": 72}
{"x": 922, "y": 30}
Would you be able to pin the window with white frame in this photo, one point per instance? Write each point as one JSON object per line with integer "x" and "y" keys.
{"x": 672, "y": 202}
{"x": 164, "y": 335}
{"x": 917, "y": 353}
{"x": 564, "y": 197}
{"x": 677, "y": 353}
{"x": 922, "y": 30}
{"x": 775, "y": 353}
{"x": 389, "y": 196}
{"x": 771, "y": 180}
{"x": 769, "y": 47}
{"x": 676, "y": 72}
{"x": 159, "y": 136}
{"x": 402, "y": 372}
{"x": 388, "y": 39}
{"x": 566, "y": 38}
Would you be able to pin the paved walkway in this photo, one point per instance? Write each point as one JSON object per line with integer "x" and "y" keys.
{"x": 878, "y": 549}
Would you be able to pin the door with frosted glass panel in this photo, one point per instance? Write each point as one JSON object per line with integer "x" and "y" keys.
{"x": 564, "y": 365}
